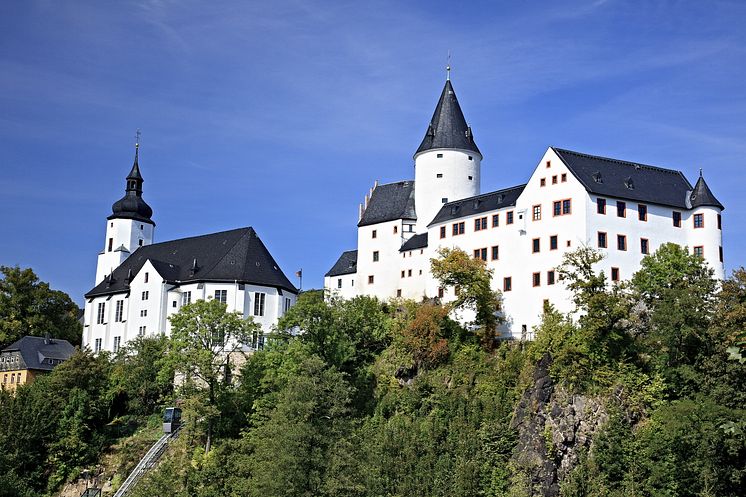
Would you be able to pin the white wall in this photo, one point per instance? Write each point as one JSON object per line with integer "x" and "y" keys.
{"x": 122, "y": 232}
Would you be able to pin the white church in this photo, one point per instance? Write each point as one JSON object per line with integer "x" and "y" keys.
{"x": 571, "y": 199}
{"x": 139, "y": 284}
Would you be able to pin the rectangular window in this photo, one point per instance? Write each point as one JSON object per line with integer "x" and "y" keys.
{"x": 601, "y": 205}
{"x": 553, "y": 243}
{"x": 143, "y": 313}
{"x": 615, "y": 274}
{"x": 676, "y": 219}
{"x": 409, "y": 273}
{"x": 554, "y": 179}
{"x": 495, "y": 220}
{"x": 642, "y": 212}
{"x": 550, "y": 277}
{"x": 440, "y": 293}
{"x": 644, "y": 246}
{"x": 173, "y": 304}
{"x": 536, "y": 280}
{"x": 117, "y": 341}
{"x": 699, "y": 251}
{"x": 564, "y": 177}
{"x": 101, "y": 312}
{"x": 375, "y": 256}
{"x": 495, "y": 253}
{"x": 145, "y": 295}
{"x": 509, "y": 217}
{"x": 535, "y": 245}
{"x": 557, "y": 208}
{"x": 536, "y": 213}
{"x": 621, "y": 242}
{"x": 111, "y": 244}
{"x": 720, "y": 222}
{"x": 259, "y": 298}
{"x": 371, "y": 279}
{"x": 459, "y": 228}
{"x": 339, "y": 282}
{"x": 566, "y": 206}
{"x": 549, "y": 164}
{"x": 141, "y": 331}
{"x": 507, "y": 284}
{"x": 699, "y": 220}
{"x": 602, "y": 239}
{"x": 119, "y": 311}
{"x": 221, "y": 296}
{"x": 483, "y": 254}
{"x": 721, "y": 253}
{"x": 146, "y": 277}
{"x": 543, "y": 182}
{"x": 287, "y": 305}
{"x": 186, "y": 298}
{"x": 442, "y": 231}
{"x": 398, "y": 293}
{"x": 621, "y": 208}
{"x": 480, "y": 224}
{"x": 374, "y": 234}
{"x": 403, "y": 273}
{"x": 396, "y": 229}
{"x": 97, "y": 345}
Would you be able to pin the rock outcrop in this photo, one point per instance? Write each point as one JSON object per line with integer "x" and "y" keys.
{"x": 554, "y": 427}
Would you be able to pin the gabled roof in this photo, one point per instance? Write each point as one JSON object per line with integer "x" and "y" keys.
{"x": 702, "y": 196}
{"x": 346, "y": 264}
{"x": 448, "y": 128}
{"x": 627, "y": 180}
{"x": 237, "y": 255}
{"x": 389, "y": 202}
{"x": 41, "y": 353}
{"x": 415, "y": 242}
{"x": 472, "y": 206}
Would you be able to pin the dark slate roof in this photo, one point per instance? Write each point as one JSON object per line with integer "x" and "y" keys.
{"x": 389, "y": 202}
{"x": 448, "y": 128}
{"x": 627, "y": 180}
{"x": 132, "y": 205}
{"x": 472, "y": 206}
{"x": 346, "y": 264}
{"x": 236, "y": 255}
{"x": 702, "y": 196}
{"x": 41, "y": 353}
{"x": 416, "y": 242}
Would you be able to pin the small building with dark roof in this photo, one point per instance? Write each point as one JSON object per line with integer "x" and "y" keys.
{"x": 25, "y": 359}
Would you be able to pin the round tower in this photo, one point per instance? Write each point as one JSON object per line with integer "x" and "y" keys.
{"x": 705, "y": 226}
{"x": 128, "y": 227}
{"x": 447, "y": 162}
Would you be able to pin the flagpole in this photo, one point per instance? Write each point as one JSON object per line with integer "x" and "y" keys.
{"x": 299, "y": 274}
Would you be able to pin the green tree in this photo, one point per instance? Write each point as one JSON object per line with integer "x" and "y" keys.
{"x": 203, "y": 338}
{"x": 471, "y": 280}
{"x": 29, "y": 307}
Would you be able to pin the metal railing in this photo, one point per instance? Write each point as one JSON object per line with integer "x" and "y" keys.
{"x": 146, "y": 463}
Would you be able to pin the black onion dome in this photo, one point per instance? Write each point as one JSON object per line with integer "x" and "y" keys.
{"x": 132, "y": 205}
{"x": 448, "y": 127}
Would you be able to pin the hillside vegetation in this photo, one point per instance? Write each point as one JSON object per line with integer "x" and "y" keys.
{"x": 639, "y": 393}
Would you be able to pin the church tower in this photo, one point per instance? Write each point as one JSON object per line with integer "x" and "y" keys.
{"x": 128, "y": 227}
{"x": 447, "y": 163}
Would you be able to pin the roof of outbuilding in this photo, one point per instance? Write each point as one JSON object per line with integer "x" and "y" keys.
{"x": 389, "y": 202}
{"x": 472, "y": 206}
{"x": 41, "y": 353}
{"x": 346, "y": 264}
{"x": 448, "y": 127}
{"x": 628, "y": 180}
{"x": 236, "y": 255}
{"x": 702, "y": 196}
{"x": 415, "y": 242}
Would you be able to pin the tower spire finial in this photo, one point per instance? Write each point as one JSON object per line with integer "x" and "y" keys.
{"x": 448, "y": 66}
{"x": 137, "y": 138}
{"x": 700, "y": 172}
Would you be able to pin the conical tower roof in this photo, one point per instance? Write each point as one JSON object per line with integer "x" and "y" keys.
{"x": 702, "y": 195}
{"x": 448, "y": 128}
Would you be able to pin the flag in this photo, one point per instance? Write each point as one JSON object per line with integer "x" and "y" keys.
{"x": 299, "y": 273}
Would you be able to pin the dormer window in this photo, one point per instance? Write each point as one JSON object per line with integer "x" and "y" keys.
{"x": 597, "y": 177}
{"x": 629, "y": 184}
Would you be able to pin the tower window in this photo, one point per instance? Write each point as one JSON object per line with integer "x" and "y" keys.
{"x": 374, "y": 234}
{"x": 139, "y": 242}
{"x": 111, "y": 244}
{"x": 471, "y": 158}
{"x": 440, "y": 156}
{"x": 721, "y": 254}
{"x": 439, "y": 175}
{"x": 145, "y": 295}
{"x": 146, "y": 277}
{"x": 699, "y": 220}
{"x": 699, "y": 251}
{"x": 720, "y": 222}
{"x": 549, "y": 164}
{"x": 470, "y": 178}
{"x": 444, "y": 200}
{"x": 396, "y": 229}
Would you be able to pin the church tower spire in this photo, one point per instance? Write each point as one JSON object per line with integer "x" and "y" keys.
{"x": 447, "y": 162}
{"x": 130, "y": 224}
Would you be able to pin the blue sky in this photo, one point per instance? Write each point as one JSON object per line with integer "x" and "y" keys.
{"x": 280, "y": 115}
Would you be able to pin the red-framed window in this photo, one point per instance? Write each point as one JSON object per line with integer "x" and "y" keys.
{"x": 553, "y": 242}
{"x": 442, "y": 231}
{"x": 495, "y": 252}
{"x": 621, "y": 242}
{"x": 536, "y": 245}
{"x": 602, "y": 240}
{"x": 699, "y": 220}
{"x": 536, "y": 279}
{"x": 507, "y": 284}
{"x": 621, "y": 208}
{"x": 550, "y": 277}
{"x": 615, "y": 274}
{"x": 509, "y": 216}
{"x": 495, "y": 220}
{"x": 601, "y": 205}
{"x": 676, "y": 217}
{"x": 536, "y": 213}
{"x": 642, "y": 212}
{"x": 459, "y": 228}
{"x": 644, "y": 246}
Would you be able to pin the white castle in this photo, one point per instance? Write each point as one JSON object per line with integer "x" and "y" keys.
{"x": 139, "y": 284}
{"x": 624, "y": 209}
